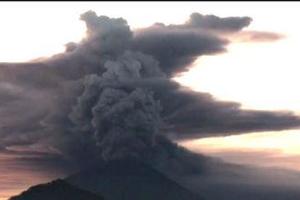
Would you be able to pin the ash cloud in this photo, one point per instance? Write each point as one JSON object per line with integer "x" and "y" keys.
{"x": 176, "y": 48}
{"x": 111, "y": 95}
{"x": 215, "y": 23}
{"x": 194, "y": 114}
{"x": 122, "y": 119}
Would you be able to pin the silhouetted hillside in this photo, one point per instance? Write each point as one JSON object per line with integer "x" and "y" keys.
{"x": 130, "y": 180}
{"x": 56, "y": 190}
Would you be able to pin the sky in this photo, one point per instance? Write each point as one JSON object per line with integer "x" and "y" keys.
{"x": 260, "y": 74}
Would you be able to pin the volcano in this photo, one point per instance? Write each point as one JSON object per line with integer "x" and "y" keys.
{"x": 124, "y": 179}
{"x": 130, "y": 179}
{"x": 56, "y": 190}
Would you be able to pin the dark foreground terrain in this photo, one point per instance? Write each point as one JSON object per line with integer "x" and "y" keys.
{"x": 56, "y": 190}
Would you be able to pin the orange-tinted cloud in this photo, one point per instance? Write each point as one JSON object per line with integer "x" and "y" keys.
{"x": 255, "y": 36}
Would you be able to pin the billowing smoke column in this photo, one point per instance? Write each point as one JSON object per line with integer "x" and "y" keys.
{"x": 122, "y": 119}
{"x": 112, "y": 94}
{"x": 119, "y": 113}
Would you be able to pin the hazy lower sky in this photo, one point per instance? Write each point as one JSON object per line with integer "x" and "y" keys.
{"x": 259, "y": 75}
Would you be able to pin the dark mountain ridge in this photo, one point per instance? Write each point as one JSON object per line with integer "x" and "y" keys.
{"x": 56, "y": 190}
{"x": 124, "y": 179}
{"x": 130, "y": 179}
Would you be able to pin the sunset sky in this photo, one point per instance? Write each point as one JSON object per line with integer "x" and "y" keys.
{"x": 258, "y": 74}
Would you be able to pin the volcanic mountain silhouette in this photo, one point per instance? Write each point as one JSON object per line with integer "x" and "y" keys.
{"x": 130, "y": 179}
{"x": 124, "y": 179}
{"x": 56, "y": 190}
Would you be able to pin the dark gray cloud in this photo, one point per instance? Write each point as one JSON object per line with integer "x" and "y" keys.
{"x": 123, "y": 120}
{"x": 176, "y": 46}
{"x": 190, "y": 114}
{"x": 215, "y": 23}
{"x": 105, "y": 35}
{"x": 195, "y": 114}
{"x": 175, "y": 49}
{"x": 211, "y": 23}
{"x": 112, "y": 94}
